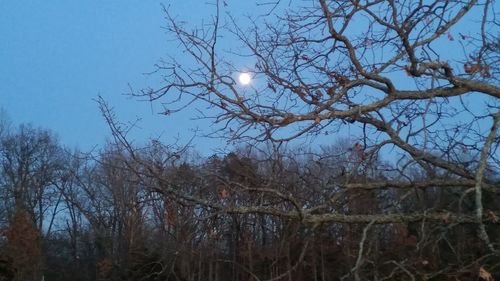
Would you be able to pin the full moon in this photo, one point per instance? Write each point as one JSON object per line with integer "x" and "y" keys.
{"x": 245, "y": 78}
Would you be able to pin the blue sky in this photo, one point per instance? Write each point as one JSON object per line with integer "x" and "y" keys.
{"x": 57, "y": 56}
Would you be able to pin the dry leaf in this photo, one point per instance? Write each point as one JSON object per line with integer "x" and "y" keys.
{"x": 446, "y": 218}
{"x": 485, "y": 275}
{"x": 224, "y": 193}
{"x": 287, "y": 120}
{"x": 331, "y": 91}
{"x": 171, "y": 216}
{"x": 494, "y": 217}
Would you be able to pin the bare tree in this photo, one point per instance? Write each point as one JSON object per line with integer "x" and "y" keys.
{"x": 31, "y": 159}
{"x": 31, "y": 162}
{"x": 413, "y": 81}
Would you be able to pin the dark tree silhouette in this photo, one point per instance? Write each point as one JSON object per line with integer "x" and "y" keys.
{"x": 383, "y": 69}
{"x": 407, "y": 188}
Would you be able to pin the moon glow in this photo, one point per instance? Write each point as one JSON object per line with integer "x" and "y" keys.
{"x": 245, "y": 78}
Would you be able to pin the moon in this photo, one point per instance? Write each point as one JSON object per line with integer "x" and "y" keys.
{"x": 245, "y": 78}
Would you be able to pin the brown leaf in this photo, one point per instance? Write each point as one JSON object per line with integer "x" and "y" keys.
{"x": 446, "y": 218}
{"x": 287, "y": 120}
{"x": 358, "y": 147}
{"x": 300, "y": 91}
{"x": 317, "y": 120}
{"x": 494, "y": 217}
{"x": 331, "y": 91}
{"x": 171, "y": 215}
{"x": 450, "y": 37}
{"x": 485, "y": 275}
{"x": 224, "y": 193}
{"x": 23, "y": 242}
{"x": 471, "y": 68}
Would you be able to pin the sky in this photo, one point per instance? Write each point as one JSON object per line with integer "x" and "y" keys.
{"x": 57, "y": 56}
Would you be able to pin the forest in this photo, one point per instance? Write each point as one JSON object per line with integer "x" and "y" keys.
{"x": 406, "y": 187}
{"x": 164, "y": 213}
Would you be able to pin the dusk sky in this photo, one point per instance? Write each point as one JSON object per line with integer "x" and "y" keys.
{"x": 57, "y": 56}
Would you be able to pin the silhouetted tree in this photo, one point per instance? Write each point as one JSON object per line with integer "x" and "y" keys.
{"x": 380, "y": 69}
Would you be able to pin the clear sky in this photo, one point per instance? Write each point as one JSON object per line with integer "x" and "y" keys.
{"x": 56, "y": 56}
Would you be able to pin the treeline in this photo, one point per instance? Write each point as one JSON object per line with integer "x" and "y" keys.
{"x": 258, "y": 213}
